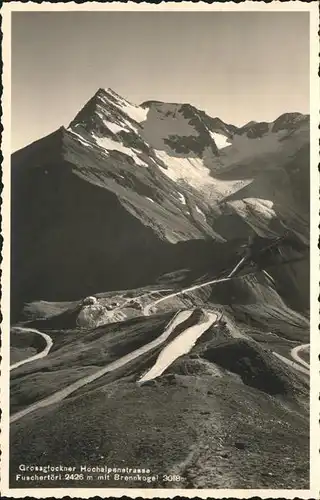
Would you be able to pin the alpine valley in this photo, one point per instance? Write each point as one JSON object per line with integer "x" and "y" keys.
{"x": 160, "y": 299}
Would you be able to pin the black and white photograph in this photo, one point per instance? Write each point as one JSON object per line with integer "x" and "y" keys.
{"x": 160, "y": 183}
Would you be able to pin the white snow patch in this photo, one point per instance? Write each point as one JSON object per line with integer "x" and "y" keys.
{"x": 112, "y": 92}
{"x": 194, "y": 172}
{"x": 150, "y": 199}
{"x": 261, "y": 206}
{"x": 80, "y": 138}
{"x": 116, "y": 97}
{"x": 114, "y": 127}
{"x": 256, "y": 212}
{"x": 109, "y": 144}
{"x": 178, "y": 168}
{"x": 164, "y": 122}
{"x": 182, "y": 198}
{"x": 221, "y": 140}
{"x": 122, "y": 123}
{"x": 179, "y": 346}
{"x": 137, "y": 113}
{"x": 130, "y": 126}
{"x": 200, "y": 211}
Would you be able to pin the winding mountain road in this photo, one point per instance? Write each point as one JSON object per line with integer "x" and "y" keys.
{"x": 148, "y": 308}
{"x": 58, "y": 396}
{"x": 179, "y": 346}
{"x": 39, "y": 355}
{"x": 48, "y": 339}
{"x": 294, "y": 365}
{"x": 295, "y": 354}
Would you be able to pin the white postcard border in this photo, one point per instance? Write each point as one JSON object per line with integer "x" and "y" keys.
{"x": 314, "y": 491}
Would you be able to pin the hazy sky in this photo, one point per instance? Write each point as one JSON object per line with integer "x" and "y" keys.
{"x": 239, "y": 66}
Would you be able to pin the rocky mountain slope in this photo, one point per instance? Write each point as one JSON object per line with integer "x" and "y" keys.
{"x": 127, "y": 193}
{"x": 227, "y": 414}
{"x": 134, "y": 229}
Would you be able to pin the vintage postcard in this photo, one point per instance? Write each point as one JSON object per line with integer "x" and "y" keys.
{"x": 160, "y": 265}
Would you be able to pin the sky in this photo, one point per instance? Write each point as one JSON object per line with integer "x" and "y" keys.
{"x": 239, "y": 66}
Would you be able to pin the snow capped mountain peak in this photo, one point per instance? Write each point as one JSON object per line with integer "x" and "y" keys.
{"x": 184, "y": 143}
{"x": 136, "y": 113}
{"x": 160, "y": 173}
{"x": 111, "y": 123}
{"x": 107, "y": 105}
{"x": 110, "y": 91}
{"x": 182, "y": 130}
{"x": 177, "y": 129}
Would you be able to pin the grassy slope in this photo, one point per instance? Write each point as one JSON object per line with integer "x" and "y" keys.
{"x": 191, "y": 420}
{"x": 24, "y": 344}
{"x": 221, "y": 426}
{"x": 187, "y": 424}
{"x": 21, "y": 353}
{"x": 305, "y": 355}
{"x": 77, "y": 353}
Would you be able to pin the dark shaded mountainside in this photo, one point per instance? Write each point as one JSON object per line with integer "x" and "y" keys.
{"x": 127, "y": 193}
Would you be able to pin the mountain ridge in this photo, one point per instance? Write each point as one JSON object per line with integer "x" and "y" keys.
{"x": 160, "y": 164}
